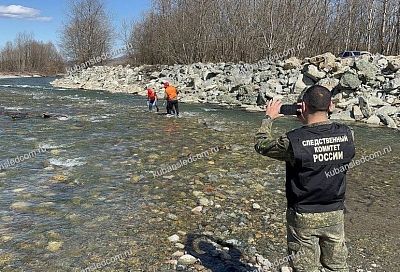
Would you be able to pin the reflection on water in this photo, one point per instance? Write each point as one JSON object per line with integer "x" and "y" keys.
{"x": 92, "y": 195}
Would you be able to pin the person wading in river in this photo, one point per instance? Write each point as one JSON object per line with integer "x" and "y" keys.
{"x": 171, "y": 95}
{"x": 315, "y": 200}
{"x": 152, "y": 99}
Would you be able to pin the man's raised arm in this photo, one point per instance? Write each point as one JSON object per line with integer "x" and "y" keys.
{"x": 265, "y": 143}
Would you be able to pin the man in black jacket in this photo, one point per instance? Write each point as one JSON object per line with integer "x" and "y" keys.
{"x": 315, "y": 196}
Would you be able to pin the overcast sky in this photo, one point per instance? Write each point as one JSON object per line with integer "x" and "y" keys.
{"x": 44, "y": 18}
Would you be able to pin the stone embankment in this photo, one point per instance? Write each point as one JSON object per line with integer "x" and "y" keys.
{"x": 365, "y": 89}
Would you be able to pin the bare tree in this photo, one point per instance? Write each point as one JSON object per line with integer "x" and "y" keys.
{"x": 397, "y": 42}
{"x": 88, "y": 32}
{"x": 383, "y": 25}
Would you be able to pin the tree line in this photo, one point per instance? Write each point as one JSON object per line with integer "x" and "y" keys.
{"x": 187, "y": 31}
{"x": 25, "y": 54}
{"x": 86, "y": 34}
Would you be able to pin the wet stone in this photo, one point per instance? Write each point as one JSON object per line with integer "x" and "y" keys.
{"x": 21, "y": 206}
{"x": 174, "y": 238}
{"x": 187, "y": 260}
{"x": 54, "y": 246}
{"x": 197, "y": 210}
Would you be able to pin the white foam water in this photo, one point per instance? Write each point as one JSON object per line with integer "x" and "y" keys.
{"x": 189, "y": 114}
{"x": 13, "y": 108}
{"x": 49, "y": 146}
{"x": 67, "y": 162}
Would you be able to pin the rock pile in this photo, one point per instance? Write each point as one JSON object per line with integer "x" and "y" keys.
{"x": 365, "y": 89}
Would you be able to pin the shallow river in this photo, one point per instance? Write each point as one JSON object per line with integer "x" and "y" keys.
{"x": 90, "y": 193}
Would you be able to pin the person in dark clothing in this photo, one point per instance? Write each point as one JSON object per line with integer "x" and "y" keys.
{"x": 171, "y": 95}
{"x": 315, "y": 199}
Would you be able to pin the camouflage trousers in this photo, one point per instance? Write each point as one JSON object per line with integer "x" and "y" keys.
{"x": 317, "y": 240}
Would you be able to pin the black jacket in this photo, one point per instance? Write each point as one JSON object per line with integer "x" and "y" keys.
{"x": 316, "y": 180}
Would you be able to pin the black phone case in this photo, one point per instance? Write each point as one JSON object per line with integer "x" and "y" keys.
{"x": 289, "y": 109}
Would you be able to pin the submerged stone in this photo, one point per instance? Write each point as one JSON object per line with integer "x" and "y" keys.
{"x": 21, "y": 206}
{"x": 54, "y": 246}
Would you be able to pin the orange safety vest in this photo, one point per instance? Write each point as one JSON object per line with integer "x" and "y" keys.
{"x": 171, "y": 92}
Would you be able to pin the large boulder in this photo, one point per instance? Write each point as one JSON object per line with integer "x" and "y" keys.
{"x": 246, "y": 94}
{"x": 382, "y": 63}
{"x": 210, "y": 86}
{"x": 312, "y": 72}
{"x": 264, "y": 76}
{"x": 343, "y": 116}
{"x": 274, "y": 84}
{"x": 302, "y": 83}
{"x": 292, "y": 79}
{"x": 131, "y": 79}
{"x": 374, "y": 101}
{"x": 374, "y": 120}
{"x": 329, "y": 83}
{"x": 155, "y": 75}
{"x": 209, "y": 74}
{"x": 242, "y": 79}
{"x": 394, "y": 63}
{"x": 225, "y": 98}
{"x": 366, "y": 69}
{"x": 268, "y": 93}
{"x": 344, "y": 104}
{"x": 195, "y": 82}
{"x": 261, "y": 99}
{"x": 364, "y": 107}
{"x": 350, "y": 81}
{"x": 357, "y": 113}
{"x": 387, "y": 120}
{"x": 347, "y": 62}
{"x": 392, "y": 84}
{"x": 325, "y": 61}
{"x": 291, "y": 63}
{"x": 340, "y": 71}
{"x": 388, "y": 110}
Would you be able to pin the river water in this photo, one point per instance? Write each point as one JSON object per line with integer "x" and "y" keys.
{"x": 92, "y": 193}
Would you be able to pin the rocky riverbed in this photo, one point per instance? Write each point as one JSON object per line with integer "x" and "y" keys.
{"x": 93, "y": 196}
{"x": 366, "y": 89}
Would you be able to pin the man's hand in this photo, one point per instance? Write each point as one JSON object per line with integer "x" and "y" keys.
{"x": 272, "y": 109}
{"x": 300, "y": 111}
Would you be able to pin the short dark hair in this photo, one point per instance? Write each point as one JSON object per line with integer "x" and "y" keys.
{"x": 317, "y": 98}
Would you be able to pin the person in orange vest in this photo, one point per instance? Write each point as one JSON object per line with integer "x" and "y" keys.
{"x": 171, "y": 95}
{"x": 152, "y": 99}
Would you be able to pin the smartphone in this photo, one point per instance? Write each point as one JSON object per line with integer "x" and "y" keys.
{"x": 290, "y": 109}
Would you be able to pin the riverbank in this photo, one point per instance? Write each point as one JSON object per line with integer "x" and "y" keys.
{"x": 365, "y": 89}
